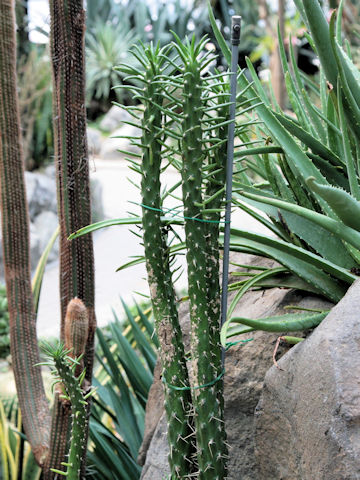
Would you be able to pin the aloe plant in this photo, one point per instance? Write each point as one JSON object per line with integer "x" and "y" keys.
{"x": 309, "y": 188}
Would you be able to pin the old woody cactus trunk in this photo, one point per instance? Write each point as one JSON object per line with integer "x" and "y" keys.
{"x": 15, "y": 228}
{"x": 73, "y": 186}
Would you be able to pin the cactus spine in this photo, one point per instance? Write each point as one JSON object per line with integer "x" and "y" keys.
{"x": 15, "y": 228}
{"x": 172, "y": 355}
{"x": 202, "y": 271}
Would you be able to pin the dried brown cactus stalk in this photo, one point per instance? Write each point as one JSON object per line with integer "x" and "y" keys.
{"x": 73, "y": 186}
{"x": 15, "y": 228}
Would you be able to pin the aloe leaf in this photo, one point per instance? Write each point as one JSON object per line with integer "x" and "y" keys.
{"x": 307, "y": 102}
{"x": 328, "y": 246}
{"x": 250, "y": 283}
{"x": 291, "y": 322}
{"x": 316, "y": 146}
{"x": 309, "y": 266}
{"x": 350, "y": 166}
{"x": 346, "y": 207}
{"x": 338, "y": 21}
{"x": 319, "y": 28}
{"x": 346, "y": 233}
{"x": 334, "y": 175}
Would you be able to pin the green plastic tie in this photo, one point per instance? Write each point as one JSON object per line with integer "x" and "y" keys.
{"x": 206, "y": 385}
{"x": 232, "y": 344}
{"x": 210, "y": 384}
{"x": 178, "y": 217}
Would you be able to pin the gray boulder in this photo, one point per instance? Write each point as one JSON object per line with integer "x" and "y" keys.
{"x": 94, "y": 139}
{"x": 45, "y": 225}
{"x": 111, "y": 145}
{"x": 96, "y": 191}
{"x": 41, "y": 193}
{"x": 113, "y": 118}
{"x": 308, "y": 418}
{"x": 246, "y": 366}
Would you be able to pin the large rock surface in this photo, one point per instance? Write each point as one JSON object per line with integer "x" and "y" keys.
{"x": 308, "y": 419}
{"x": 246, "y": 366}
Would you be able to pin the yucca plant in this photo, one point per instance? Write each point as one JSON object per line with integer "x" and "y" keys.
{"x": 16, "y": 458}
{"x": 306, "y": 168}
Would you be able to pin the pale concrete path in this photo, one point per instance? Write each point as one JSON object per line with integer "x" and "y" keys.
{"x": 113, "y": 247}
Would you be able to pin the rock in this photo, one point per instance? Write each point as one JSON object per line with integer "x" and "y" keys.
{"x": 41, "y": 193}
{"x": 97, "y": 205}
{"x": 308, "y": 418}
{"x": 113, "y": 118}
{"x": 111, "y": 145}
{"x": 35, "y": 246}
{"x": 246, "y": 366}
{"x": 45, "y": 225}
{"x": 94, "y": 139}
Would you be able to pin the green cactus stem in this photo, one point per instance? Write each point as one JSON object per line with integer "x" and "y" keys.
{"x": 15, "y": 231}
{"x": 205, "y": 335}
{"x": 177, "y": 402}
{"x": 64, "y": 372}
{"x": 73, "y": 187}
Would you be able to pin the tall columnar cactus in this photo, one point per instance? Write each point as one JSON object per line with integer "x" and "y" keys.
{"x": 177, "y": 402}
{"x": 71, "y": 159}
{"x": 64, "y": 366}
{"x": 15, "y": 228}
{"x": 48, "y": 444}
{"x": 204, "y": 308}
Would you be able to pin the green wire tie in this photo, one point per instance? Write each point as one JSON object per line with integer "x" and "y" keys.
{"x": 232, "y": 344}
{"x": 179, "y": 217}
{"x": 210, "y": 384}
{"x": 174, "y": 387}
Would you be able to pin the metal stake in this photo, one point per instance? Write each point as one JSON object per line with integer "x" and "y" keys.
{"x": 235, "y": 40}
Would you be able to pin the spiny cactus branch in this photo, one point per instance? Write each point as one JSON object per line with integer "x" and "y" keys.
{"x": 64, "y": 366}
